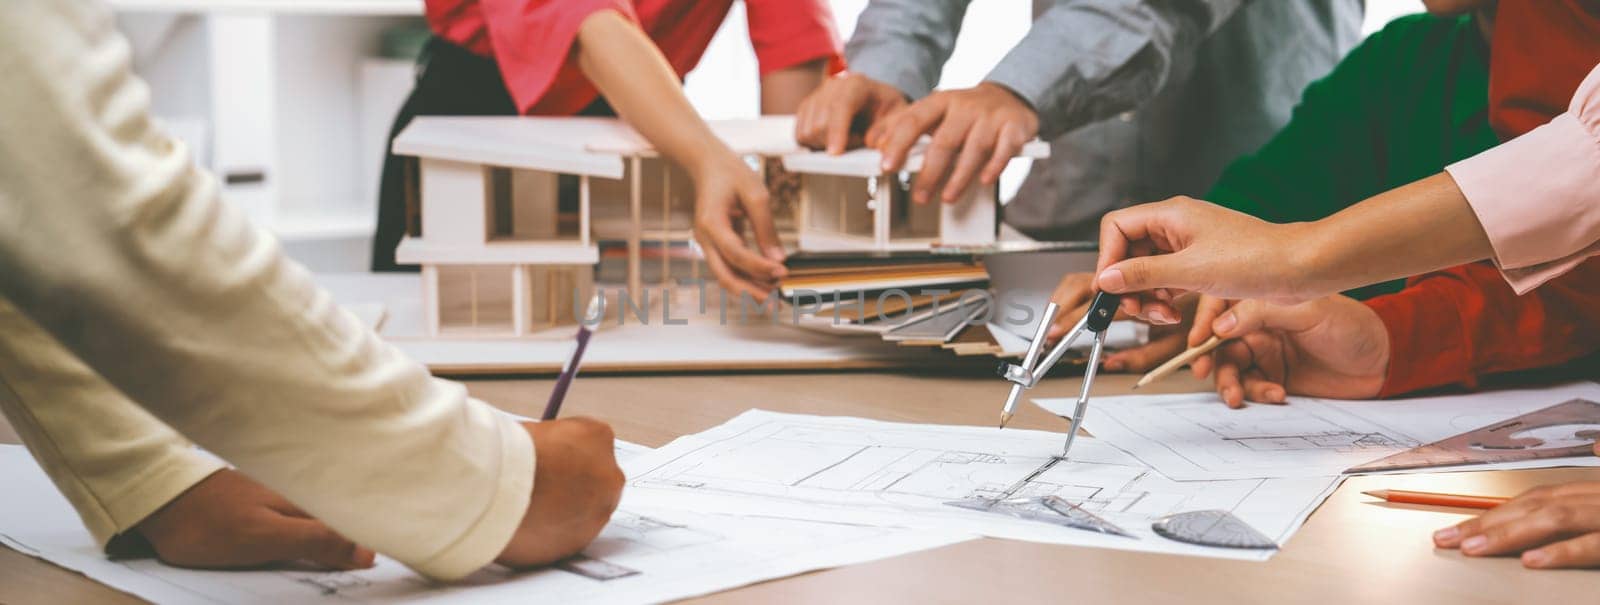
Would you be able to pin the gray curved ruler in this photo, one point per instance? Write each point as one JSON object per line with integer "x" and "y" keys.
{"x": 1211, "y": 528}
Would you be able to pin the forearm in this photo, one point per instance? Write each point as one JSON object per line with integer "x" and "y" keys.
{"x": 784, "y": 89}
{"x": 113, "y": 461}
{"x": 905, "y": 43}
{"x": 636, "y": 80}
{"x": 1411, "y": 230}
{"x": 119, "y": 247}
{"x": 1083, "y": 62}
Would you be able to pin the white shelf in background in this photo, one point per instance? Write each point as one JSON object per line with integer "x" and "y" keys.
{"x": 323, "y": 7}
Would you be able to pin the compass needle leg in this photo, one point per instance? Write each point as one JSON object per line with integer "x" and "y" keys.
{"x": 1101, "y": 311}
{"x": 1022, "y": 378}
{"x": 1083, "y": 395}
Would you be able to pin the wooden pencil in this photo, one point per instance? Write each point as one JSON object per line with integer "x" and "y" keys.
{"x": 1181, "y": 360}
{"x": 1435, "y": 499}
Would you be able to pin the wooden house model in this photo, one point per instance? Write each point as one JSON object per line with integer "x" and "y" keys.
{"x": 508, "y": 212}
{"x": 499, "y": 255}
{"x": 848, "y": 203}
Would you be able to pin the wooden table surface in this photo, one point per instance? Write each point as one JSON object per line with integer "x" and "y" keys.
{"x": 1350, "y": 551}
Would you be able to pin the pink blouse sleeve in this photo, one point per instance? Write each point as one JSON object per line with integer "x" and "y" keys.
{"x": 1538, "y": 195}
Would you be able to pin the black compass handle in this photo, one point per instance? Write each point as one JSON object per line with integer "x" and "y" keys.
{"x": 1101, "y": 310}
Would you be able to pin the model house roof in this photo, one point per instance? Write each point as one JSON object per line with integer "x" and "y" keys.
{"x": 549, "y": 144}
{"x": 763, "y": 136}
{"x": 866, "y": 162}
{"x": 596, "y": 146}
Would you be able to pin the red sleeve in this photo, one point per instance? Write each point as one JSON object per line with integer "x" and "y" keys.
{"x": 786, "y": 33}
{"x": 533, "y": 39}
{"x": 1460, "y": 324}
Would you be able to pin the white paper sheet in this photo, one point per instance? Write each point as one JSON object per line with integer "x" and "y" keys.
{"x": 675, "y": 554}
{"x": 627, "y": 451}
{"x": 891, "y": 474}
{"x": 1195, "y": 437}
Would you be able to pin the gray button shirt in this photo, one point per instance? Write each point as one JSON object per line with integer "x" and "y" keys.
{"x": 1141, "y": 99}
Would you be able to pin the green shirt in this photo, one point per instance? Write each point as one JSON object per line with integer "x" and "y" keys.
{"x": 1410, "y": 100}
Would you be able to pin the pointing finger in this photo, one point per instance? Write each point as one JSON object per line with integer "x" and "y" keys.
{"x": 979, "y": 144}
{"x": 906, "y": 128}
{"x": 732, "y": 282}
{"x": 1006, "y": 147}
{"x": 728, "y": 244}
{"x": 839, "y": 115}
{"x": 1205, "y": 312}
{"x": 757, "y": 206}
{"x": 939, "y": 155}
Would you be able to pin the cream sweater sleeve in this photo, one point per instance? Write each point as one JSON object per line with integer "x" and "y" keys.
{"x": 114, "y": 243}
{"x": 114, "y": 461}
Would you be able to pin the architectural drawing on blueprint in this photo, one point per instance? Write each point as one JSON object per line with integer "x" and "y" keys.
{"x": 643, "y": 555}
{"x": 1280, "y": 430}
{"x": 915, "y": 476}
{"x": 1337, "y": 441}
{"x": 829, "y": 465}
{"x": 878, "y": 473}
{"x": 1194, "y": 437}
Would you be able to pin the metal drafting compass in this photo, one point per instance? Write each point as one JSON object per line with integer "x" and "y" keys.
{"x": 1101, "y": 310}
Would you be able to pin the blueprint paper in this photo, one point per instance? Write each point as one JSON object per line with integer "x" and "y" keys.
{"x": 886, "y": 474}
{"x": 627, "y": 450}
{"x": 665, "y": 555}
{"x": 1195, "y": 437}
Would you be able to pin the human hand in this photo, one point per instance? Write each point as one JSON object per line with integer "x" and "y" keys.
{"x": 576, "y": 486}
{"x": 1199, "y": 319}
{"x": 228, "y": 521}
{"x": 1329, "y": 347}
{"x": 834, "y": 114}
{"x": 1150, "y": 253}
{"x": 1074, "y": 294}
{"x": 982, "y": 127}
{"x": 1554, "y": 527}
{"x": 727, "y": 196}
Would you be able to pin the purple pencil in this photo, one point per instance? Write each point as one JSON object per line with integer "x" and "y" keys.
{"x": 570, "y": 371}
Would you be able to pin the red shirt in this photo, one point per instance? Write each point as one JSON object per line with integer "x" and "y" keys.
{"x": 1542, "y": 49}
{"x": 1454, "y": 326}
{"x": 532, "y": 39}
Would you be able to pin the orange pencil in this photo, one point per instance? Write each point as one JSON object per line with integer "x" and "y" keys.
{"x": 1433, "y": 499}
